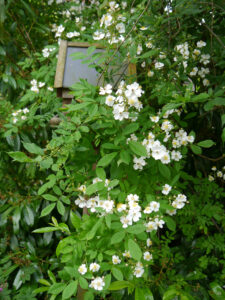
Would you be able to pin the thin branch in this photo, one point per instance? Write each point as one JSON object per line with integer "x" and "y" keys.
{"x": 212, "y": 159}
{"x": 117, "y": 49}
{"x": 213, "y": 33}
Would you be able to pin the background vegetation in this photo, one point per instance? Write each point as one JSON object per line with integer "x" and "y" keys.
{"x": 42, "y": 167}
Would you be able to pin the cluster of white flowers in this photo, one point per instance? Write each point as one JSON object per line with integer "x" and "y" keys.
{"x": 70, "y": 35}
{"x": 131, "y": 210}
{"x": 154, "y": 224}
{"x": 155, "y": 148}
{"x": 139, "y": 269}
{"x": 58, "y": 30}
{"x": 94, "y": 203}
{"x": 152, "y": 207}
{"x": 20, "y": 113}
{"x": 196, "y": 55}
{"x": 94, "y": 267}
{"x": 179, "y": 201}
{"x": 217, "y": 173}
{"x": 127, "y": 98}
{"x": 112, "y": 24}
{"x": 35, "y": 85}
{"x": 97, "y": 283}
{"x": 47, "y": 51}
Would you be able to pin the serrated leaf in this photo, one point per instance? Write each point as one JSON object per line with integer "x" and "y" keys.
{"x": 61, "y": 208}
{"x": 136, "y": 229}
{"x": 32, "y": 148}
{"x": 117, "y": 273}
{"x": 100, "y": 172}
{"x": 83, "y": 283}
{"x": 46, "y": 211}
{"x": 20, "y": 156}
{"x": 106, "y": 159}
{"x": 138, "y": 148}
{"x": 75, "y": 220}
{"x": 45, "y": 229}
{"x": 134, "y": 249}
{"x": 206, "y": 143}
{"x": 78, "y": 55}
{"x": 91, "y": 234}
{"x": 119, "y": 285}
{"x": 90, "y": 50}
{"x": 56, "y": 288}
{"x": 28, "y": 215}
{"x": 164, "y": 170}
{"x": 70, "y": 290}
{"x": 171, "y": 224}
{"x": 117, "y": 237}
{"x": 130, "y": 128}
{"x": 125, "y": 157}
{"x": 95, "y": 187}
{"x": 196, "y": 149}
{"x": 49, "y": 197}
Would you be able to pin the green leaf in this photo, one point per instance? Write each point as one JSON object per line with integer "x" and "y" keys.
{"x": 170, "y": 294}
{"x": 106, "y": 160}
{"x": 107, "y": 280}
{"x": 70, "y": 290}
{"x": 143, "y": 293}
{"x": 44, "y": 281}
{"x": 138, "y": 148}
{"x": 16, "y": 219}
{"x": 206, "y": 144}
{"x": 196, "y": 149}
{"x": 79, "y": 106}
{"x": 117, "y": 273}
{"x": 164, "y": 170}
{"x": 28, "y": 215}
{"x": 200, "y": 98}
{"x": 91, "y": 234}
{"x": 130, "y": 128}
{"x": 216, "y": 102}
{"x": 170, "y": 223}
{"x": 136, "y": 229}
{"x": 75, "y": 220}
{"x": 134, "y": 249}
{"x": 149, "y": 53}
{"x": 49, "y": 197}
{"x": 113, "y": 183}
{"x": 95, "y": 187}
{"x": 61, "y": 208}
{"x": 217, "y": 292}
{"x": 139, "y": 294}
{"x": 20, "y": 156}
{"x": 119, "y": 285}
{"x": 45, "y": 229}
{"x": 46, "y": 163}
{"x": 117, "y": 237}
{"x": 32, "y": 148}
{"x": 88, "y": 296}
{"x": 78, "y": 55}
{"x": 46, "y": 211}
{"x": 90, "y": 50}
{"x": 57, "y": 288}
{"x": 83, "y": 283}
{"x": 101, "y": 173}
{"x": 125, "y": 157}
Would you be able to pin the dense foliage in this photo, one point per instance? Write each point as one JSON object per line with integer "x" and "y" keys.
{"x": 123, "y": 199}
